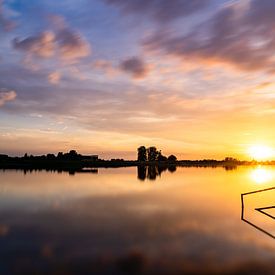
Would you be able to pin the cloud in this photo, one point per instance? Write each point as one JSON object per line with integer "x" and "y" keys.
{"x": 6, "y": 95}
{"x": 41, "y": 45}
{"x": 72, "y": 45}
{"x": 68, "y": 44}
{"x": 106, "y": 67}
{"x": 57, "y": 21}
{"x": 240, "y": 35}
{"x": 5, "y": 23}
{"x": 160, "y": 10}
{"x": 134, "y": 66}
{"x": 54, "y": 77}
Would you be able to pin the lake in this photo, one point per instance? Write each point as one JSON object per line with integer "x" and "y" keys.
{"x": 124, "y": 221}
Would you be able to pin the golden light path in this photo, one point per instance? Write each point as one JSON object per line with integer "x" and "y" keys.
{"x": 261, "y": 175}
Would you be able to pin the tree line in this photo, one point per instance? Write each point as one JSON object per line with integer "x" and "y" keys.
{"x": 152, "y": 154}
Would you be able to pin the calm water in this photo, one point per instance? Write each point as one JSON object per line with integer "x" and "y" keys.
{"x": 186, "y": 221}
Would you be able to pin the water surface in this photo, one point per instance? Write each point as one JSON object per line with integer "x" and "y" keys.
{"x": 186, "y": 221}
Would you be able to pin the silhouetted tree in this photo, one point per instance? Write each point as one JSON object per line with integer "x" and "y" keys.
{"x": 4, "y": 157}
{"x": 160, "y": 157}
{"x": 50, "y": 156}
{"x": 230, "y": 159}
{"x": 60, "y": 155}
{"x": 172, "y": 158}
{"x": 152, "y": 153}
{"x": 73, "y": 155}
{"x": 142, "y": 153}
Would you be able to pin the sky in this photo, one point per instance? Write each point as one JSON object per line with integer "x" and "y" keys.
{"x": 193, "y": 78}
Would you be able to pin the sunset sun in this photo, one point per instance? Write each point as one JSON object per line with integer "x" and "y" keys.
{"x": 260, "y": 152}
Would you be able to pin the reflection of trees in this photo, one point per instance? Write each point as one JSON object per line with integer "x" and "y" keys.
{"x": 151, "y": 172}
{"x": 141, "y": 170}
{"x": 172, "y": 168}
{"x": 160, "y": 169}
{"x": 229, "y": 167}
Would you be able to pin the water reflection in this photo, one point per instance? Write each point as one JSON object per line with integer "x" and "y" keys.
{"x": 261, "y": 175}
{"x": 265, "y": 195}
{"x": 151, "y": 172}
{"x": 109, "y": 223}
{"x": 264, "y": 210}
{"x": 53, "y": 170}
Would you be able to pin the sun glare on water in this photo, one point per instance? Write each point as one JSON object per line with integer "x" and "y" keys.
{"x": 261, "y": 175}
{"x": 260, "y": 152}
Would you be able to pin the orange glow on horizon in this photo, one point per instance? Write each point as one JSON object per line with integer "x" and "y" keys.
{"x": 260, "y": 152}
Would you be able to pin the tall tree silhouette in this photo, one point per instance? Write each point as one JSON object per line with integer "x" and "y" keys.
{"x": 152, "y": 153}
{"x": 142, "y": 153}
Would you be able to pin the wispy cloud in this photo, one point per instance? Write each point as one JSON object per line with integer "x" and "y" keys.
{"x": 41, "y": 45}
{"x": 54, "y": 77}
{"x": 6, "y": 95}
{"x": 5, "y": 23}
{"x": 72, "y": 45}
{"x": 160, "y": 10}
{"x": 238, "y": 35}
{"x": 66, "y": 44}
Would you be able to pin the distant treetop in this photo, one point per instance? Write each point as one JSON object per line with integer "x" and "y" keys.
{"x": 152, "y": 154}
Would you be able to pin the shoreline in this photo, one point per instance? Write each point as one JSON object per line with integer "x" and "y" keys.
{"x": 84, "y": 166}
